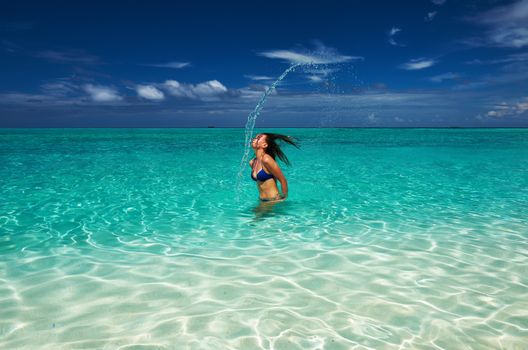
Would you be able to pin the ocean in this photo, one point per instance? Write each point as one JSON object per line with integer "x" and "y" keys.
{"x": 140, "y": 239}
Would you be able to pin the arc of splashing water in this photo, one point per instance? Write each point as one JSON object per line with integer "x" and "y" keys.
{"x": 250, "y": 125}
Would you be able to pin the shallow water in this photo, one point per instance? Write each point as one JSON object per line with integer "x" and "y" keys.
{"x": 390, "y": 239}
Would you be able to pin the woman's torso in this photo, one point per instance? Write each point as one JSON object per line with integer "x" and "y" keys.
{"x": 268, "y": 187}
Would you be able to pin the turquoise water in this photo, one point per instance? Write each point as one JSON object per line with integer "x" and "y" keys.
{"x": 390, "y": 239}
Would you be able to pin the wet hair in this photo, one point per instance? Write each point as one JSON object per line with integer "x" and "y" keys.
{"x": 274, "y": 149}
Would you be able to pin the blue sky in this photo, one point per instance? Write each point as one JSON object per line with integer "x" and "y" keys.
{"x": 194, "y": 64}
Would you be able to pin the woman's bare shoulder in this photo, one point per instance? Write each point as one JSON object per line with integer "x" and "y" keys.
{"x": 268, "y": 160}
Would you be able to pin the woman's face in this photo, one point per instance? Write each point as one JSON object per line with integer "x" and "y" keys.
{"x": 259, "y": 141}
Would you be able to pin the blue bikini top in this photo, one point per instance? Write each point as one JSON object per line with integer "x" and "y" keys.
{"x": 261, "y": 175}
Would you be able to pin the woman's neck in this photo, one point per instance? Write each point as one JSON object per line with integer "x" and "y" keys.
{"x": 259, "y": 153}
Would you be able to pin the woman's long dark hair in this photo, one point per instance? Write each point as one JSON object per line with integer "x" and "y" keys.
{"x": 274, "y": 149}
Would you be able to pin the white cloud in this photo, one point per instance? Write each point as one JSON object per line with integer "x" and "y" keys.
{"x": 392, "y": 33}
{"x": 518, "y": 57}
{"x": 258, "y": 77}
{"x": 209, "y": 90}
{"x": 430, "y": 16}
{"x": 418, "y": 63}
{"x": 99, "y": 93}
{"x": 372, "y": 117}
{"x": 149, "y": 92}
{"x": 320, "y": 71}
{"x": 321, "y": 55}
{"x": 522, "y": 106}
{"x": 504, "y": 109}
{"x": 394, "y": 30}
{"x": 174, "y": 88}
{"x": 59, "y": 87}
{"x": 68, "y": 56}
{"x": 508, "y": 26}
{"x": 441, "y": 77}
{"x": 64, "y": 92}
{"x": 301, "y": 106}
{"x": 438, "y": 2}
{"x": 317, "y": 74}
{"x": 515, "y": 71}
{"x": 20, "y": 98}
{"x": 510, "y": 37}
{"x": 315, "y": 78}
{"x": 303, "y": 58}
{"x": 173, "y": 64}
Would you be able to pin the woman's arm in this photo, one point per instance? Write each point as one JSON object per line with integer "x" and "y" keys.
{"x": 276, "y": 171}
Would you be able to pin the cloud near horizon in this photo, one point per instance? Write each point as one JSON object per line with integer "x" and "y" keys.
{"x": 210, "y": 98}
{"x": 209, "y": 90}
{"x": 504, "y": 109}
{"x": 149, "y": 92}
{"x": 99, "y": 93}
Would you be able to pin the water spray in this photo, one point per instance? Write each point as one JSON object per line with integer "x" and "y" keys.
{"x": 250, "y": 125}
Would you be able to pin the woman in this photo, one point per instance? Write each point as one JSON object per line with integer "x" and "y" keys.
{"x": 264, "y": 167}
